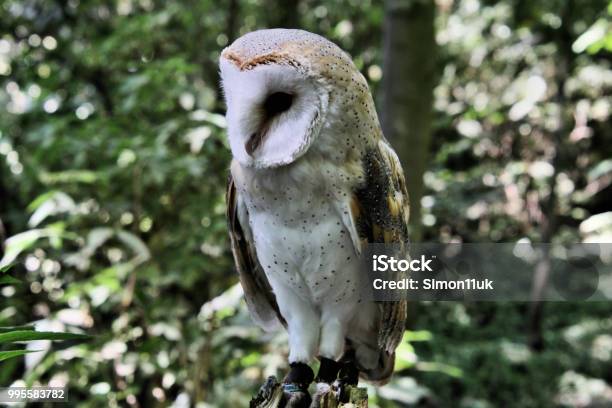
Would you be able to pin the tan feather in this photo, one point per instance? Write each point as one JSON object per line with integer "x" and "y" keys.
{"x": 380, "y": 210}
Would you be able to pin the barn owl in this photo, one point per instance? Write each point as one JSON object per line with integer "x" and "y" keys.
{"x": 312, "y": 181}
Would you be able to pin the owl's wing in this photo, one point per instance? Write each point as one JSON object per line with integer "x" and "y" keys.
{"x": 379, "y": 211}
{"x": 257, "y": 290}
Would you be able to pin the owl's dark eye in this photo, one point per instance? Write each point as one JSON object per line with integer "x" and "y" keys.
{"x": 277, "y": 102}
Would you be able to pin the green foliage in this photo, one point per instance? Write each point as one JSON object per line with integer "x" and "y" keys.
{"x": 113, "y": 162}
{"x": 29, "y": 335}
{"x": 5, "y": 355}
{"x": 26, "y": 333}
{"x": 8, "y": 280}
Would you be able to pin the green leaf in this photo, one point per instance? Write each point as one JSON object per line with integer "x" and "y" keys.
{"x": 136, "y": 244}
{"x": 6, "y": 267}
{"x": 418, "y": 335}
{"x": 600, "y": 169}
{"x": 212, "y": 118}
{"x": 41, "y": 199}
{"x": 5, "y": 355}
{"x": 405, "y": 356}
{"x": 8, "y": 280}
{"x": 54, "y": 204}
{"x": 430, "y": 366}
{"x": 22, "y": 241}
{"x": 19, "y": 243}
{"x": 593, "y": 39}
{"x": 69, "y": 176}
{"x": 28, "y": 335}
{"x": 6, "y": 329}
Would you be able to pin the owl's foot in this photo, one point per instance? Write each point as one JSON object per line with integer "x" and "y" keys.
{"x": 295, "y": 386}
{"x": 348, "y": 376}
{"x": 328, "y": 371}
{"x": 327, "y": 385}
{"x": 349, "y": 373}
{"x": 295, "y": 397}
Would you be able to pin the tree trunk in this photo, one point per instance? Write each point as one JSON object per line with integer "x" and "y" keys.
{"x": 549, "y": 225}
{"x": 283, "y": 13}
{"x": 232, "y": 20}
{"x": 408, "y": 82}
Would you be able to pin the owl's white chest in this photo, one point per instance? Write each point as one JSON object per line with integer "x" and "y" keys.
{"x": 303, "y": 245}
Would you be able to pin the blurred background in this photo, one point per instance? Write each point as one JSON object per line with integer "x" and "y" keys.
{"x": 113, "y": 161}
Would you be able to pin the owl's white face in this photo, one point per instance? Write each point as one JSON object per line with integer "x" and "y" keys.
{"x": 274, "y": 112}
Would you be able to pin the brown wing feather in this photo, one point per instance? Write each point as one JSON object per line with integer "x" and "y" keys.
{"x": 380, "y": 210}
{"x": 257, "y": 291}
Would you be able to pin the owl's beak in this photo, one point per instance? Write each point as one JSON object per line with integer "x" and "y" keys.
{"x": 253, "y": 143}
{"x": 257, "y": 138}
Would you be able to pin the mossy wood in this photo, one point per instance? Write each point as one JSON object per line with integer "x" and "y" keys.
{"x": 270, "y": 395}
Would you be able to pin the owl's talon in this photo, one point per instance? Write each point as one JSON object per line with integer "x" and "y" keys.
{"x": 328, "y": 371}
{"x": 324, "y": 393}
{"x": 295, "y": 396}
{"x": 348, "y": 377}
{"x": 323, "y": 387}
{"x": 295, "y": 386}
{"x": 349, "y": 373}
{"x": 300, "y": 375}
{"x": 344, "y": 391}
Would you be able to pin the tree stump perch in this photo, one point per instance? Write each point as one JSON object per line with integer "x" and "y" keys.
{"x": 271, "y": 392}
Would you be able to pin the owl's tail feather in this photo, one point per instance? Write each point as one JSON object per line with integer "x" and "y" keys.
{"x": 375, "y": 364}
{"x": 381, "y": 373}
